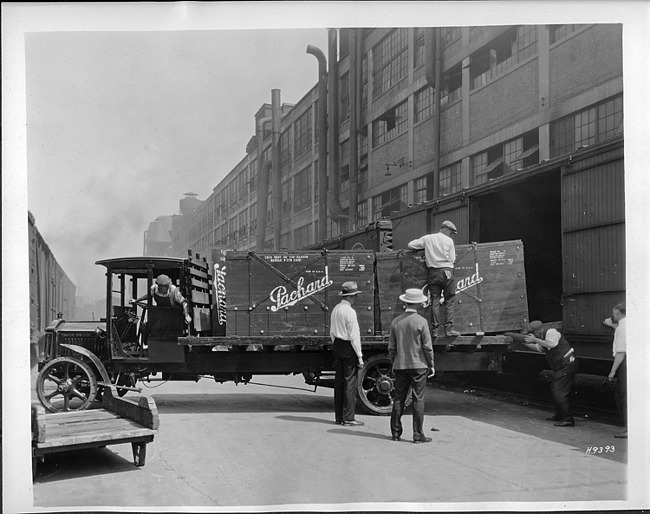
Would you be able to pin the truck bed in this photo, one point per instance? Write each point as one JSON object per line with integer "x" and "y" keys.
{"x": 119, "y": 421}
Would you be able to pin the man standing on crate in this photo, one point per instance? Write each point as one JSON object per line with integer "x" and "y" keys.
{"x": 346, "y": 336}
{"x": 440, "y": 255}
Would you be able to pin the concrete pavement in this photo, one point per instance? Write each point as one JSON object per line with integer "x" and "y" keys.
{"x": 275, "y": 445}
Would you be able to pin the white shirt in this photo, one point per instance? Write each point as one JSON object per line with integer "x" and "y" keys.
{"x": 439, "y": 250}
{"x": 344, "y": 325}
{"x": 620, "y": 338}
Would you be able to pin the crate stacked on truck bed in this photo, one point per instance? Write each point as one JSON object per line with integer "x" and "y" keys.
{"x": 275, "y": 294}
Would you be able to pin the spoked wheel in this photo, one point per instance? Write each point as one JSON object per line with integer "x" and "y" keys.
{"x": 66, "y": 384}
{"x": 376, "y": 385}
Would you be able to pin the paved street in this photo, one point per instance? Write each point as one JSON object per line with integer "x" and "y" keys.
{"x": 222, "y": 445}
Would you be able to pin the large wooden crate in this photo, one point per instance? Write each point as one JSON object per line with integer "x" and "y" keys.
{"x": 490, "y": 293}
{"x": 293, "y": 293}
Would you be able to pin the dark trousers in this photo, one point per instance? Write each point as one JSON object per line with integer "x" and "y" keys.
{"x": 561, "y": 385}
{"x": 620, "y": 395}
{"x": 438, "y": 282}
{"x": 417, "y": 380}
{"x": 345, "y": 380}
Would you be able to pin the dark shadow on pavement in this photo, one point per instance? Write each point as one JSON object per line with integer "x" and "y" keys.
{"x": 81, "y": 464}
{"x": 360, "y": 433}
{"x": 245, "y": 402}
{"x": 304, "y": 419}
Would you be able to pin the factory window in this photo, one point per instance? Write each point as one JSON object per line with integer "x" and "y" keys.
{"x": 316, "y": 182}
{"x": 302, "y": 134}
{"x": 242, "y": 222}
{"x": 418, "y": 43}
{"x": 285, "y": 151}
{"x": 302, "y": 190}
{"x": 364, "y": 92}
{"x": 232, "y": 231}
{"x": 286, "y": 201}
{"x": 252, "y": 183}
{"x": 302, "y": 236}
{"x": 593, "y": 125}
{"x": 344, "y": 95}
{"x": 505, "y": 158}
{"x": 362, "y": 214}
{"x": 450, "y": 88}
{"x": 500, "y": 55}
{"x": 344, "y": 177}
{"x": 362, "y": 152}
{"x": 389, "y": 201}
{"x": 389, "y": 61}
{"x": 252, "y": 216}
{"x": 450, "y": 179}
{"x": 561, "y": 31}
{"x": 423, "y": 103}
{"x": 420, "y": 190}
{"x": 388, "y": 126}
{"x": 450, "y": 34}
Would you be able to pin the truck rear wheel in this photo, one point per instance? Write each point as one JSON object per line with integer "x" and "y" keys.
{"x": 66, "y": 384}
{"x": 376, "y": 385}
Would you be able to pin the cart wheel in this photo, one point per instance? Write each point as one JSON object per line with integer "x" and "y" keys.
{"x": 66, "y": 384}
{"x": 376, "y": 385}
{"x": 139, "y": 453}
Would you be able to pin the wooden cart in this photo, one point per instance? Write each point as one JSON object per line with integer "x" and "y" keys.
{"x": 119, "y": 421}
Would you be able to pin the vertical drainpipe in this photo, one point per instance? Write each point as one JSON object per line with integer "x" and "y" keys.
{"x": 262, "y": 187}
{"x": 333, "y": 200}
{"x": 322, "y": 140}
{"x": 354, "y": 158}
{"x": 276, "y": 170}
{"x": 433, "y": 73}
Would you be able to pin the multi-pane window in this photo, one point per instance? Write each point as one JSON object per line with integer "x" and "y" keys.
{"x": 478, "y": 165}
{"x": 500, "y": 55}
{"x": 420, "y": 190}
{"x": 423, "y": 104}
{"x": 252, "y": 183}
{"x": 242, "y": 222}
{"x": 450, "y": 34}
{"x": 390, "y": 61}
{"x": 593, "y": 125}
{"x": 316, "y": 181}
{"x": 450, "y": 179}
{"x": 389, "y": 201}
{"x": 450, "y": 89}
{"x": 316, "y": 122}
{"x": 418, "y": 43}
{"x": 302, "y": 236}
{"x": 344, "y": 95}
{"x": 285, "y": 151}
{"x": 286, "y": 202}
{"x": 344, "y": 177}
{"x": 233, "y": 196}
{"x": 362, "y": 214}
{"x": 364, "y": 91}
{"x": 232, "y": 231}
{"x": 561, "y": 31}
{"x": 302, "y": 134}
{"x": 252, "y": 216}
{"x": 302, "y": 190}
{"x": 512, "y": 150}
{"x": 390, "y": 124}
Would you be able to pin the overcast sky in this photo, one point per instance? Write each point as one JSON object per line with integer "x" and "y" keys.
{"x": 121, "y": 124}
{"x": 111, "y": 111}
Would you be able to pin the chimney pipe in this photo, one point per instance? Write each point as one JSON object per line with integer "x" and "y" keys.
{"x": 433, "y": 73}
{"x": 322, "y": 140}
{"x": 354, "y": 100}
{"x": 333, "y": 200}
{"x": 276, "y": 171}
{"x": 262, "y": 186}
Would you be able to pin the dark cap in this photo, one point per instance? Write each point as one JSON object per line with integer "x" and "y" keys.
{"x": 349, "y": 289}
{"x": 533, "y": 326}
{"x": 448, "y": 224}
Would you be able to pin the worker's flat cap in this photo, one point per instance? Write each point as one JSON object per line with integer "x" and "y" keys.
{"x": 448, "y": 224}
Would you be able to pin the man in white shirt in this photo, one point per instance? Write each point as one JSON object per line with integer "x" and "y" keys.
{"x": 346, "y": 336}
{"x": 619, "y": 366}
{"x": 440, "y": 256}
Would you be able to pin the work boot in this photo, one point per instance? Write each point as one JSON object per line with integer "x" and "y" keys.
{"x": 435, "y": 332}
{"x": 451, "y": 332}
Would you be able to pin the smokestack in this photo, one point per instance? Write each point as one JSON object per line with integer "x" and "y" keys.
{"x": 262, "y": 186}
{"x": 354, "y": 100}
{"x": 333, "y": 200}
{"x": 322, "y": 140}
{"x": 276, "y": 171}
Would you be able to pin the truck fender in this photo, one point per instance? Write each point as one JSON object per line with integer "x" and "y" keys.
{"x": 95, "y": 360}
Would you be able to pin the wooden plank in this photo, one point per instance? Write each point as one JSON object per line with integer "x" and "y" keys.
{"x": 143, "y": 411}
{"x": 96, "y": 438}
{"x": 200, "y": 283}
{"x": 199, "y": 297}
{"x": 199, "y": 274}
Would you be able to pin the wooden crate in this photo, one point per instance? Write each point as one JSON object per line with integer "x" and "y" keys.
{"x": 293, "y": 293}
{"x": 491, "y": 286}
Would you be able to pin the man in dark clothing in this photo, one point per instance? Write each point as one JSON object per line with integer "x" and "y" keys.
{"x": 411, "y": 352}
{"x": 561, "y": 359}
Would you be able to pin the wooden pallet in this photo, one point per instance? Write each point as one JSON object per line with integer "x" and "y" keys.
{"x": 119, "y": 421}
